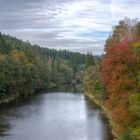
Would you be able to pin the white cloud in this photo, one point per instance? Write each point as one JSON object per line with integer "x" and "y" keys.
{"x": 125, "y": 8}
{"x": 79, "y": 25}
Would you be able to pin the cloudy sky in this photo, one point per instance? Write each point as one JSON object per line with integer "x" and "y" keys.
{"x": 77, "y": 25}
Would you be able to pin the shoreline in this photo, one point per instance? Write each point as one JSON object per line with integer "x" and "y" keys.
{"x": 105, "y": 111}
{"x": 14, "y": 97}
{"x": 8, "y": 99}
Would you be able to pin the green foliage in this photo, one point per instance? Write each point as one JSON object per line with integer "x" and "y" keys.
{"x": 89, "y": 60}
{"x": 92, "y": 77}
{"x": 97, "y": 86}
{"x": 26, "y": 68}
{"x": 135, "y": 134}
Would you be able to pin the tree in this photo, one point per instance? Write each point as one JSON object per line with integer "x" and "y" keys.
{"x": 89, "y": 60}
{"x": 26, "y": 68}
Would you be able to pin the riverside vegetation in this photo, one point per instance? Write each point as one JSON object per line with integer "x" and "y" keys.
{"x": 26, "y": 68}
{"x": 113, "y": 81}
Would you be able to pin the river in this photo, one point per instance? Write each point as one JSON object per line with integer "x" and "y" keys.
{"x": 53, "y": 116}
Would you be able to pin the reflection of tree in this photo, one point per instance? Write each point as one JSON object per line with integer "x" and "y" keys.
{"x": 4, "y": 127}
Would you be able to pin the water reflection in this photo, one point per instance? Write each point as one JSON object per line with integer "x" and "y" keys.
{"x": 51, "y": 116}
{"x": 4, "y": 127}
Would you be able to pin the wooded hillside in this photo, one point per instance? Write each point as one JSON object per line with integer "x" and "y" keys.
{"x": 26, "y": 68}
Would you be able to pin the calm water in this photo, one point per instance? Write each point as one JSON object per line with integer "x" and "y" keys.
{"x": 54, "y": 116}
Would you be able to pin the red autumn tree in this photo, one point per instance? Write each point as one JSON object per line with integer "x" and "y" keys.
{"x": 119, "y": 71}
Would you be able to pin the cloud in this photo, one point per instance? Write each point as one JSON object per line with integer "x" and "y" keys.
{"x": 124, "y": 8}
{"x": 77, "y": 25}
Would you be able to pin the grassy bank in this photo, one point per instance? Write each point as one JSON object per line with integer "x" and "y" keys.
{"x": 105, "y": 111}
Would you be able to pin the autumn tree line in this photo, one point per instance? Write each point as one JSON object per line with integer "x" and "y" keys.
{"x": 114, "y": 79}
{"x": 26, "y": 68}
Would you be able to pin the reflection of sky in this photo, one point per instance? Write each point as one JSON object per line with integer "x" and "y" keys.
{"x": 77, "y": 25}
{"x": 51, "y": 116}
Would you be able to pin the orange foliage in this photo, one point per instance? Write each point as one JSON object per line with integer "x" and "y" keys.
{"x": 119, "y": 72}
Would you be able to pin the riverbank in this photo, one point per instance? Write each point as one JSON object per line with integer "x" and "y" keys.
{"x": 7, "y": 99}
{"x": 63, "y": 88}
{"x": 12, "y": 98}
{"x": 105, "y": 111}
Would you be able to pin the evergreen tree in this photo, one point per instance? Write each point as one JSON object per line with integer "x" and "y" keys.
{"x": 89, "y": 60}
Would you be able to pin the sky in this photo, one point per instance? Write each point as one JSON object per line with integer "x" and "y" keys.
{"x": 75, "y": 25}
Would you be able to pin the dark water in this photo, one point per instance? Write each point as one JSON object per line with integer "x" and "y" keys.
{"x": 53, "y": 116}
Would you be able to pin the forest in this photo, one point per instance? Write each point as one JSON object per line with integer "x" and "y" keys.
{"x": 114, "y": 80}
{"x": 26, "y": 68}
